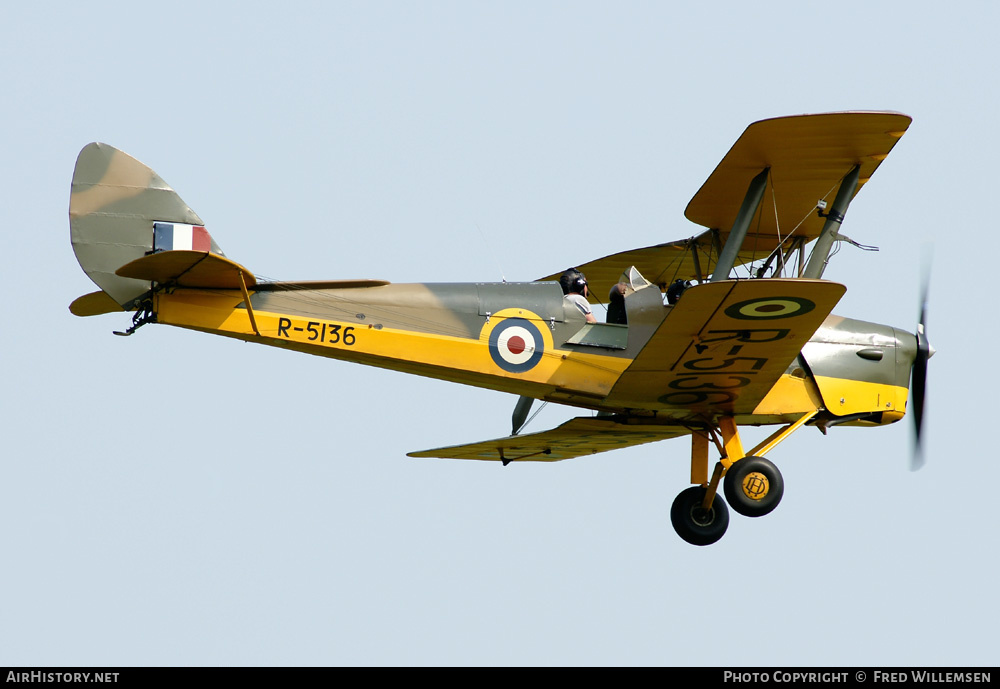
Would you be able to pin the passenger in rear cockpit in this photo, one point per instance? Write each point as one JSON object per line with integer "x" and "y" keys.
{"x": 616, "y": 304}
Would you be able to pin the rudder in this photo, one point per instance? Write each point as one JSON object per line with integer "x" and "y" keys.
{"x": 115, "y": 203}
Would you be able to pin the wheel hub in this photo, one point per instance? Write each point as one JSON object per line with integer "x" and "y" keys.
{"x": 755, "y": 485}
{"x": 702, "y": 517}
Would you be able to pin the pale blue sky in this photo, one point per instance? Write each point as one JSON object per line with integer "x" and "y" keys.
{"x": 177, "y": 499}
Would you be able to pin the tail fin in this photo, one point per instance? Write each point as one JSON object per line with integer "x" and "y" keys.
{"x": 117, "y": 205}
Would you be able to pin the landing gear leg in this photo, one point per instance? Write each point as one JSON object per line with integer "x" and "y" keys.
{"x": 753, "y": 486}
{"x": 699, "y": 514}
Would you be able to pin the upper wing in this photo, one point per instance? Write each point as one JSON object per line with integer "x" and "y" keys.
{"x": 577, "y": 437}
{"x": 724, "y": 345}
{"x": 808, "y": 156}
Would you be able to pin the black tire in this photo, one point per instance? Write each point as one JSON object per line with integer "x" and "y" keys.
{"x": 753, "y": 486}
{"x": 695, "y": 524}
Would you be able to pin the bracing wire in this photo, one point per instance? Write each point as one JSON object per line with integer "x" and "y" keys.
{"x": 532, "y": 417}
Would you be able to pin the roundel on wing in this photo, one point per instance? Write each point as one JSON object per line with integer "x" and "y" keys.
{"x": 516, "y": 345}
{"x": 770, "y": 308}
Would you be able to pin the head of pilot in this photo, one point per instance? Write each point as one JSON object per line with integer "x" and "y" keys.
{"x": 573, "y": 282}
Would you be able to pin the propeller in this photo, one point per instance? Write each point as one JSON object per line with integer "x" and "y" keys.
{"x": 918, "y": 381}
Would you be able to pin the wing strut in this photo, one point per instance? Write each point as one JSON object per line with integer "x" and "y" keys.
{"x": 824, "y": 243}
{"x": 520, "y": 415}
{"x": 727, "y": 257}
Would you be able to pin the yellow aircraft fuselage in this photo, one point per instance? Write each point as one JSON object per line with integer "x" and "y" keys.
{"x": 450, "y": 332}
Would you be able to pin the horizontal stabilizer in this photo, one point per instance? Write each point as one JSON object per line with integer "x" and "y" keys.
{"x": 578, "y": 437}
{"x": 198, "y": 269}
{"x": 94, "y": 304}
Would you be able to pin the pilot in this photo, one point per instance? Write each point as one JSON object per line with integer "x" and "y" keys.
{"x": 574, "y": 287}
{"x": 675, "y": 291}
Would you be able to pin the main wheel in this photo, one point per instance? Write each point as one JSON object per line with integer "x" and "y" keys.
{"x": 694, "y": 523}
{"x": 753, "y": 486}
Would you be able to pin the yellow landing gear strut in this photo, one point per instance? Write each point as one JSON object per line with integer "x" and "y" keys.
{"x": 753, "y": 485}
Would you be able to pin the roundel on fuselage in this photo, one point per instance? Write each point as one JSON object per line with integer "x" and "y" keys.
{"x": 516, "y": 345}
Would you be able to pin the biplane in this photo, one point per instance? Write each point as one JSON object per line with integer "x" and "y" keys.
{"x": 730, "y": 328}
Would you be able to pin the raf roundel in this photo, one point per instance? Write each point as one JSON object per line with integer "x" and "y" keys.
{"x": 770, "y": 309}
{"x": 516, "y": 345}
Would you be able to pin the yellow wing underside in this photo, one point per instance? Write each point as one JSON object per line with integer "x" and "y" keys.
{"x": 577, "y": 437}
